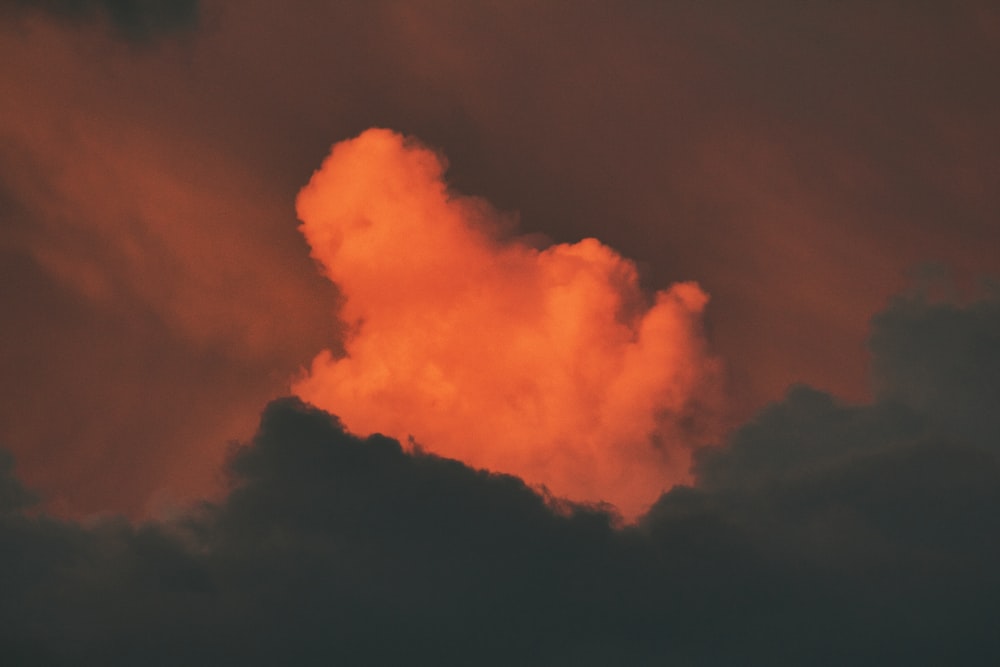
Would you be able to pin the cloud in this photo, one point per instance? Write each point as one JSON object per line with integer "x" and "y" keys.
{"x": 13, "y": 495}
{"x": 135, "y": 20}
{"x": 871, "y": 540}
{"x": 550, "y": 363}
{"x": 333, "y": 548}
{"x": 913, "y": 475}
{"x": 809, "y": 430}
{"x": 147, "y": 277}
{"x": 942, "y": 359}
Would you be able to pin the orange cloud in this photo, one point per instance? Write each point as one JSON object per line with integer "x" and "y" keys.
{"x": 551, "y": 364}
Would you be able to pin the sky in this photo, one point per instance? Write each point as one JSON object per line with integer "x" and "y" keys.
{"x": 538, "y": 333}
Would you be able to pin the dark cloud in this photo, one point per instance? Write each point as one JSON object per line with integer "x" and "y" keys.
{"x": 13, "y": 495}
{"x": 916, "y": 469}
{"x": 136, "y": 20}
{"x": 822, "y": 533}
{"x": 809, "y": 430}
{"x": 942, "y": 359}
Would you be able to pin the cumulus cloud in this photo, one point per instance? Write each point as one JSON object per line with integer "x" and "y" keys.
{"x": 550, "y": 363}
{"x": 821, "y": 533}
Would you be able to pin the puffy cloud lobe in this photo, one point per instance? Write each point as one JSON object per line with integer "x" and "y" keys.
{"x": 550, "y": 363}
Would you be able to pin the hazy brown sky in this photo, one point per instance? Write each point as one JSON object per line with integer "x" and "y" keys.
{"x": 690, "y": 258}
{"x": 799, "y": 161}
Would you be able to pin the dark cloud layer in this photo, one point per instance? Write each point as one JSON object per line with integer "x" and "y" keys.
{"x": 821, "y": 533}
{"x": 943, "y": 360}
{"x": 133, "y": 19}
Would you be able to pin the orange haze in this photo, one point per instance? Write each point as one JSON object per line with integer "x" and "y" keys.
{"x": 550, "y": 364}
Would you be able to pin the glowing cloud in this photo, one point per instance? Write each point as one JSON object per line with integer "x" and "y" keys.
{"x": 550, "y": 364}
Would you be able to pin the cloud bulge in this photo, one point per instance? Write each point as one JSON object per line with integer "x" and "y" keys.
{"x": 550, "y": 363}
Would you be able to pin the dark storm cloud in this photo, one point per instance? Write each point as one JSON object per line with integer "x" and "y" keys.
{"x": 943, "y": 360}
{"x": 822, "y": 533}
{"x": 336, "y": 550}
{"x": 133, "y": 19}
{"x": 13, "y": 495}
{"x": 915, "y": 472}
{"x": 852, "y": 486}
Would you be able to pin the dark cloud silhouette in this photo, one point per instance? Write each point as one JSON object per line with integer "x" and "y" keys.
{"x": 136, "y": 20}
{"x": 943, "y": 360}
{"x": 822, "y": 533}
{"x": 809, "y": 430}
{"x": 13, "y": 495}
{"x": 916, "y": 469}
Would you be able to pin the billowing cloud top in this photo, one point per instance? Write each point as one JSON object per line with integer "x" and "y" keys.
{"x": 550, "y": 363}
